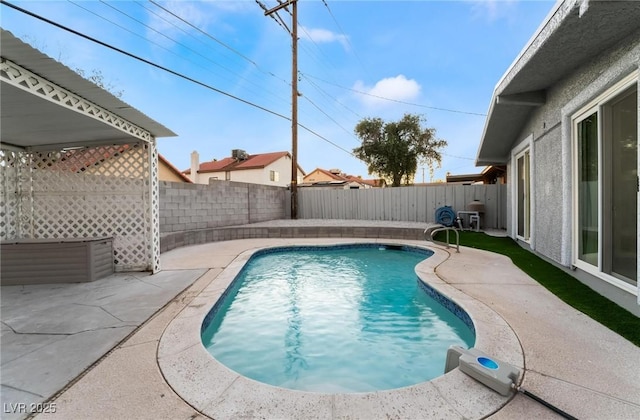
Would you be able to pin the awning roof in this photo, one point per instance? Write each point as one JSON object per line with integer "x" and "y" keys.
{"x": 29, "y": 119}
{"x": 572, "y": 34}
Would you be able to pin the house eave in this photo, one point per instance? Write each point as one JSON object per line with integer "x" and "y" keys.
{"x": 556, "y": 49}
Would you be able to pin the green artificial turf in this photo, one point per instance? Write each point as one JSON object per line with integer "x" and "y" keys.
{"x": 560, "y": 283}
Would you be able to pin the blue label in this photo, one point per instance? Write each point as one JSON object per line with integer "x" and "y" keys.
{"x": 488, "y": 363}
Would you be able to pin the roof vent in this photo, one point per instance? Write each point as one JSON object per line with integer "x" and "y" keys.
{"x": 239, "y": 154}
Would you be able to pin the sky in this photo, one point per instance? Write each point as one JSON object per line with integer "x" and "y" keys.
{"x": 356, "y": 59}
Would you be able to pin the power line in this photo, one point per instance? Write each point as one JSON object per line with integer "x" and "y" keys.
{"x": 208, "y": 35}
{"x": 259, "y": 86}
{"x": 457, "y": 157}
{"x": 328, "y": 141}
{"x": 322, "y": 59}
{"x": 276, "y": 17}
{"x": 344, "y": 35}
{"x": 173, "y": 40}
{"x": 154, "y": 30}
{"x": 325, "y": 93}
{"x": 396, "y": 100}
{"x": 160, "y": 67}
{"x": 143, "y": 60}
{"x": 204, "y": 33}
{"x": 328, "y": 116}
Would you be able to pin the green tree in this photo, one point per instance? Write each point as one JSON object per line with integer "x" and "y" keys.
{"x": 393, "y": 150}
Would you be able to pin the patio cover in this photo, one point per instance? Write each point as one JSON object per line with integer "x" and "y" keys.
{"x": 34, "y": 118}
{"x": 47, "y": 109}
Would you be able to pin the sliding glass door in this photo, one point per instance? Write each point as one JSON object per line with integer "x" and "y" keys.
{"x": 606, "y": 185}
{"x": 588, "y": 191}
{"x": 523, "y": 193}
{"x": 621, "y": 116}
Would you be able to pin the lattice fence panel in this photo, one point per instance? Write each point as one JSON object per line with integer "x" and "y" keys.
{"x": 9, "y": 197}
{"x": 154, "y": 196}
{"x": 90, "y": 192}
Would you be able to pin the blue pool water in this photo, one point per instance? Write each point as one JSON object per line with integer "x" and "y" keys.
{"x": 334, "y": 319}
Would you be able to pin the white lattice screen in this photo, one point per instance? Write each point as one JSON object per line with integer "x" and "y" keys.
{"x": 89, "y": 192}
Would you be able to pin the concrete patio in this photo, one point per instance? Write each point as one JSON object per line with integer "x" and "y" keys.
{"x": 52, "y": 334}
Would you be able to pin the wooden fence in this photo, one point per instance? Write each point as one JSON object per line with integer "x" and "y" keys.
{"x": 410, "y": 204}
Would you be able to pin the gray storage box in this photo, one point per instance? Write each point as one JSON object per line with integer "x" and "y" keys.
{"x": 69, "y": 260}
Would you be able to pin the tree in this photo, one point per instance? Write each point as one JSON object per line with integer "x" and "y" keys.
{"x": 95, "y": 76}
{"x": 98, "y": 78}
{"x": 393, "y": 150}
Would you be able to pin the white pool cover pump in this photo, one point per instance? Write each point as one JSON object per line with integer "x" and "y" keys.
{"x": 495, "y": 374}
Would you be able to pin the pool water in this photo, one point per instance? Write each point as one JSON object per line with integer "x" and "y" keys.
{"x": 341, "y": 319}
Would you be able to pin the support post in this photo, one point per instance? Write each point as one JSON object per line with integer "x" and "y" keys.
{"x": 294, "y": 100}
{"x": 294, "y": 110}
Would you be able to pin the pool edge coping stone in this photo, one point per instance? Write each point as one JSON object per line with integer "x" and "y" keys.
{"x": 187, "y": 366}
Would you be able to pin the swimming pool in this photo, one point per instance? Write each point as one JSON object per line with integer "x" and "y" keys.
{"x": 348, "y": 318}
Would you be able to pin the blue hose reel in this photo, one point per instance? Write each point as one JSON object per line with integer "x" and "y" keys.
{"x": 445, "y": 216}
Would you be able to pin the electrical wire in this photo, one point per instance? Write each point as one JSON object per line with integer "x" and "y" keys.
{"x": 279, "y": 20}
{"x": 301, "y": 125}
{"x": 326, "y": 94}
{"x": 345, "y": 36}
{"x": 545, "y": 403}
{"x": 186, "y": 47}
{"x": 328, "y": 141}
{"x": 457, "y": 157}
{"x": 396, "y": 100}
{"x": 321, "y": 59}
{"x": 328, "y": 116}
{"x": 204, "y": 33}
{"x": 160, "y": 67}
{"x": 138, "y": 58}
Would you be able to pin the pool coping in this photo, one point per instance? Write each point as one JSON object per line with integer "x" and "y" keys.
{"x": 216, "y": 391}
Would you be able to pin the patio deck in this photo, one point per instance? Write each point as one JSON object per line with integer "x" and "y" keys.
{"x": 570, "y": 360}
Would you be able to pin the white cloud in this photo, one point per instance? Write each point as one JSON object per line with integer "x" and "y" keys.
{"x": 492, "y": 10}
{"x": 186, "y": 10}
{"x": 323, "y": 36}
{"x": 200, "y": 14}
{"x": 397, "y": 88}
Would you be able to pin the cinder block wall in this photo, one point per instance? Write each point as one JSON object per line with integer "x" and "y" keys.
{"x": 186, "y": 207}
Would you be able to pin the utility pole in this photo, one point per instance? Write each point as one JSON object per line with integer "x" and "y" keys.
{"x": 294, "y": 99}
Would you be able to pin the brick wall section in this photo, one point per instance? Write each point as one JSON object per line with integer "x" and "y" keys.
{"x": 194, "y": 214}
{"x": 191, "y": 207}
{"x": 170, "y": 241}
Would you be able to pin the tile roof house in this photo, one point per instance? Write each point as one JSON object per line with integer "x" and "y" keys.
{"x": 100, "y": 161}
{"x": 564, "y": 119}
{"x": 263, "y": 168}
{"x": 168, "y": 172}
{"x": 335, "y": 179}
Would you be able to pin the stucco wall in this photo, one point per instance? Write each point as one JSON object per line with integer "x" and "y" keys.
{"x": 166, "y": 174}
{"x": 548, "y": 177}
{"x": 256, "y": 176}
{"x": 550, "y": 126}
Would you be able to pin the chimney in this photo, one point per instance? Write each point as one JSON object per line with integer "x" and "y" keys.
{"x": 195, "y": 165}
